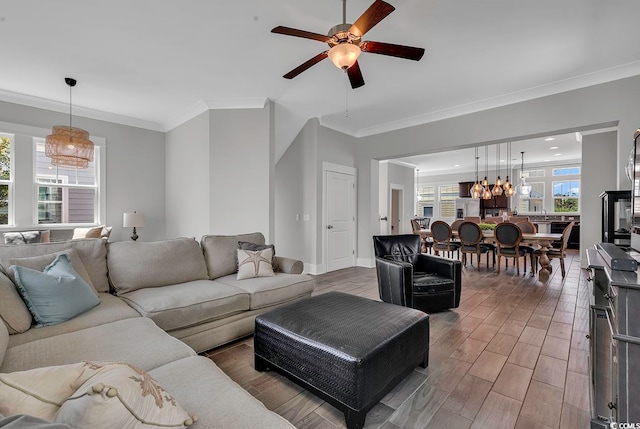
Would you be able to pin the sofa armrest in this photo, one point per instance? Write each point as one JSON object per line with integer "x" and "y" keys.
{"x": 290, "y": 266}
{"x": 395, "y": 281}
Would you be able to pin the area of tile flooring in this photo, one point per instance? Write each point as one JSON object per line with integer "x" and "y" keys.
{"x": 513, "y": 355}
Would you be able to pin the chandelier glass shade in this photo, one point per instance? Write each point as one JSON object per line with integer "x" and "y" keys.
{"x": 344, "y": 55}
{"x": 523, "y": 188}
{"x": 68, "y": 146}
{"x": 497, "y": 187}
{"x": 477, "y": 190}
{"x": 418, "y": 195}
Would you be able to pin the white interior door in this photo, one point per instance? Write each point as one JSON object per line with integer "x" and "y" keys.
{"x": 396, "y": 200}
{"x": 340, "y": 220}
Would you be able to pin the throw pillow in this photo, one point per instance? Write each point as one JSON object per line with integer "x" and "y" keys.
{"x": 27, "y": 237}
{"x": 40, "y": 262}
{"x": 41, "y": 392}
{"x": 55, "y": 295}
{"x": 245, "y": 245}
{"x": 93, "y": 232}
{"x": 122, "y": 396}
{"x": 254, "y": 263}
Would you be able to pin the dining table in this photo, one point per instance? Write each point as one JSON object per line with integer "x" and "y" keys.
{"x": 541, "y": 239}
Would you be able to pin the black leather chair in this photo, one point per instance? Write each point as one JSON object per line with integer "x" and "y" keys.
{"x": 412, "y": 279}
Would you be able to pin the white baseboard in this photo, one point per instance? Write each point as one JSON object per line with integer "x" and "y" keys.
{"x": 365, "y": 262}
{"x": 314, "y": 269}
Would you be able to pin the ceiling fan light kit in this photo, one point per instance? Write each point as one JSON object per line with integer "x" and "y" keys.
{"x": 346, "y": 45}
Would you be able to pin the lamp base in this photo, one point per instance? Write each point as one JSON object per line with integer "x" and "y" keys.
{"x": 134, "y": 236}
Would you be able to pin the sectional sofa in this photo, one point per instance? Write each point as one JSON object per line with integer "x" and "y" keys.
{"x": 160, "y": 304}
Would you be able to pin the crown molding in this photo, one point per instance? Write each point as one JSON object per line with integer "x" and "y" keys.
{"x": 219, "y": 104}
{"x": 56, "y": 106}
{"x": 570, "y": 84}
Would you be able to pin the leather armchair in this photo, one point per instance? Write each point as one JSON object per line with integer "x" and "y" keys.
{"x": 412, "y": 279}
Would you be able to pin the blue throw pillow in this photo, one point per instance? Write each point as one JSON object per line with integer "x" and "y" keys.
{"x": 56, "y": 294}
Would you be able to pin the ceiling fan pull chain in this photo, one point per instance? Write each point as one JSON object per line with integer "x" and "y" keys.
{"x": 346, "y": 95}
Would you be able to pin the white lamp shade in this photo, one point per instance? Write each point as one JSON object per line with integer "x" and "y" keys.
{"x": 344, "y": 55}
{"x": 133, "y": 220}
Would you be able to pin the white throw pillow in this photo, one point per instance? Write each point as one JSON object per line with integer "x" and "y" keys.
{"x": 122, "y": 396}
{"x": 41, "y": 392}
{"x": 254, "y": 263}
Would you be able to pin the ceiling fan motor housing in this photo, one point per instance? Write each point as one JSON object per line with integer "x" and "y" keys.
{"x": 340, "y": 34}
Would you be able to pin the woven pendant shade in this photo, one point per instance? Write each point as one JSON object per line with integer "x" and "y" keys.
{"x": 69, "y": 147}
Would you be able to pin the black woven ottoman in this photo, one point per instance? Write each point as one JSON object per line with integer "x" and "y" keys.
{"x": 348, "y": 350}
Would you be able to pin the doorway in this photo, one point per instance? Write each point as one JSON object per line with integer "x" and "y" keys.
{"x": 396, "y": 209}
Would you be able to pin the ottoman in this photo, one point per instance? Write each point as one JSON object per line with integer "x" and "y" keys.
{"x": 348, "y": 350}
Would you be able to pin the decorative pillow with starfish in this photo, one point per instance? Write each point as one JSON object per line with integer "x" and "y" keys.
{"x": 254, "y": 263}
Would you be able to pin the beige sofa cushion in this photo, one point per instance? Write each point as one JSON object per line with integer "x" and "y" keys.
{"x": 137, "y": 265}
{"x": 221, "y": 252}
{"x": 92, "y": 252}
{"x": 203, "y": 389}
{"x": 110, "y": 309}
{"x": 39, "y": 263}
{"x": 137, "y": 340}
{"x": 267, "y": 291}
{"x": 186, "y": 304}
{"x": 13, "y": 310}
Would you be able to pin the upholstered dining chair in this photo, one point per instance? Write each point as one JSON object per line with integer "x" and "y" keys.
{"x": 470, "y": 235}
{"x": 442, "y": 233}
{"x": 557, "y": 253}
{"x": 456, "y": 224}
{"x": 412, "y": 279}
{"x": 508, "y": 237}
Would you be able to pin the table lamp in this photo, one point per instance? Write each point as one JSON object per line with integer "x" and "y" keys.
{"x": 133, "y": 220}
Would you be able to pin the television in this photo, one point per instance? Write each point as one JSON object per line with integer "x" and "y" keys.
{"x": 633, "y": 173}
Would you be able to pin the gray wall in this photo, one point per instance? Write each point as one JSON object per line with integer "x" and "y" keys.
{"x": 187, "y": 178}
{"x": 598, "y": 166}
{"x": 135, "y": 160}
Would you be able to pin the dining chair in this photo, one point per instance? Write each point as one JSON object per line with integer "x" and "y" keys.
{"x": 426, "y": 244}
{"x": 475, "y": 219}
{"x": 508, "y": 237}
{"x": 557, "y": 253}
{"x": 442, "y": 233}
{"x": 493, "y": 219}
{"x": 528, "y": 227}
{"x": 456, "y": 224}
{"x": 470, "y": 235}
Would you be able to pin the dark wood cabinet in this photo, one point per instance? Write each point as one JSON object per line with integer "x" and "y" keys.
{"x": 464, "y": 189}
{"x": 616, "y": 217}
{"x": 487, "y": 207}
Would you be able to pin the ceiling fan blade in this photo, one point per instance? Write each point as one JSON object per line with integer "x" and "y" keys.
{"x": 378, "y": 11}
{"x": 300, "y": 33}
{"x": 302, "y": 67}
{"x": 355, "y": 76}
{"x": 400, "y": 51}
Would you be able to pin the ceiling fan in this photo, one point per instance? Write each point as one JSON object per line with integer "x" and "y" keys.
{"x": 346, "y": 44}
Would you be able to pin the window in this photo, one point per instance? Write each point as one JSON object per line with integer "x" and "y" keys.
{"x": 6, "y": 179}
{"x": 448, "y": 195}
{"x": 427, "y": 200}
{"x": 535, "y": 201}
{"x": 566, "y": 196}
{"x": 533, "y": 173}
{"x": 570, "y": 171}
{"x": 65, "y": 195}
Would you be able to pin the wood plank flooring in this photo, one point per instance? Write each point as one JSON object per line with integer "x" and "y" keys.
{"x": 513, "y": 355}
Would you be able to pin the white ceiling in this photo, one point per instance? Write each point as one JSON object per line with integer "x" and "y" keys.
{"x": 563, "y": 149}
{"x": 155, "y": 63}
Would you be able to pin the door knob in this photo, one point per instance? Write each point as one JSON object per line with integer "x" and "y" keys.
{"x": 383, "y": 218}
{"x": 329, "y": 226}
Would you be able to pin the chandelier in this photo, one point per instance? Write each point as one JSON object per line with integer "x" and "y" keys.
{"x": 523, "y": 188}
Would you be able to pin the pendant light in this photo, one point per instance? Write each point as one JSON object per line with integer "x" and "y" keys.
{"x": 486, "y": 193}
{"x": 477, "y": 189}
{"x": 524, "y": 188}
{"x": 497, "y": 188}
{"x": 68, "y": 146}
{"x": 418, "y": 195}
{"x": 508, "y": 187}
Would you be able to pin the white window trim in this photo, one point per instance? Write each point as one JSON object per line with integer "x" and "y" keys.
{"x": 11, "y": 181}
{"x": 553, "y": 197}
{"x": 101, "y": 179}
